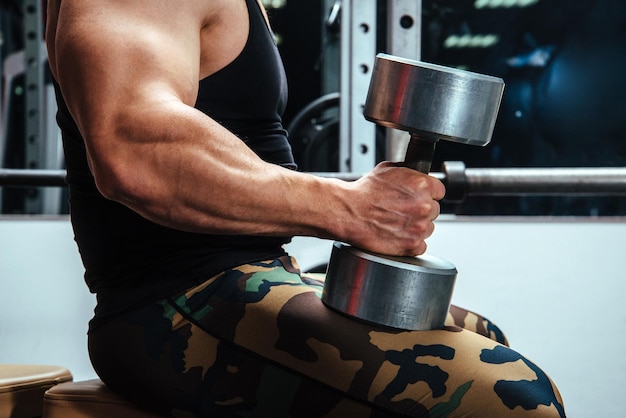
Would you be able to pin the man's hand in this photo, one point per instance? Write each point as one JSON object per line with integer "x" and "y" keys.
{"x": 394, "y": 209}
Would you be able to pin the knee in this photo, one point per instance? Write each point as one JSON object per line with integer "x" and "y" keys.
{"x": 526, "y": 387}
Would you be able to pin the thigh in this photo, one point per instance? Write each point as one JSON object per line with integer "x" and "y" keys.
{"x": 258, "y": 339}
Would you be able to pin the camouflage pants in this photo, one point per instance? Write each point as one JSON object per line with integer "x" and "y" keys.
{"x": 256, "y": 341}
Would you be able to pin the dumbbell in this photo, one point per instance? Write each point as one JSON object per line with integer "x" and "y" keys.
{"x": 431, "y": 102}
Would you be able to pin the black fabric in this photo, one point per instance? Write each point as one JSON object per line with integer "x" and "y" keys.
{"x": 129, "y": 260}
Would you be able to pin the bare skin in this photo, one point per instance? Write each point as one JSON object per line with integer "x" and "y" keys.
{"x": 129, "y": 71}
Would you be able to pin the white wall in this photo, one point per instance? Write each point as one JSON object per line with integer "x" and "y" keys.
{"x": 44, "y": 304}
{"x": 555, "y": 287}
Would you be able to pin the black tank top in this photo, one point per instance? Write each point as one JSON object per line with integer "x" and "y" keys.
{"x": 129, "y": 260}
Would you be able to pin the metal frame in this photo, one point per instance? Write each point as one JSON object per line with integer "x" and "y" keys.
{"x": 357, "y": 137}
{"x": 34, "y": 96}
{"x": 42, "y": 144}
{"x": 404, "y": 38}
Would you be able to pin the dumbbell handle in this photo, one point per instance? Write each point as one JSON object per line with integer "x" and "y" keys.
{"x": 419, "y": 154}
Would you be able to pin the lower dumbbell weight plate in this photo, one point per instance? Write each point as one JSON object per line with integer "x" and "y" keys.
{"x": 401, "y": 292}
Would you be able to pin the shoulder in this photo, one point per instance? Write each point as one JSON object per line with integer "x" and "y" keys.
{"x": 93, "y": 16}
{"x": 214, "y": 27}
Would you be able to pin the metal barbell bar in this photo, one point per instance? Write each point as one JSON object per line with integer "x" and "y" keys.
{"x": 460, "y": 181}
{"x": 15, "y": 177}
{"x": 588, "y": 181}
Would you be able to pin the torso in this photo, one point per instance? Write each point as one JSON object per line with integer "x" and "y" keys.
{"x": 240, "y": 82}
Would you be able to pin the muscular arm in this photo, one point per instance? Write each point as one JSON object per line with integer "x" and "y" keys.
{"x": 129, "y": 72}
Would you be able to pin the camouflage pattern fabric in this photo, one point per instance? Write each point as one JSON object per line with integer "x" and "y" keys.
{"x": 256, "y": 341}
